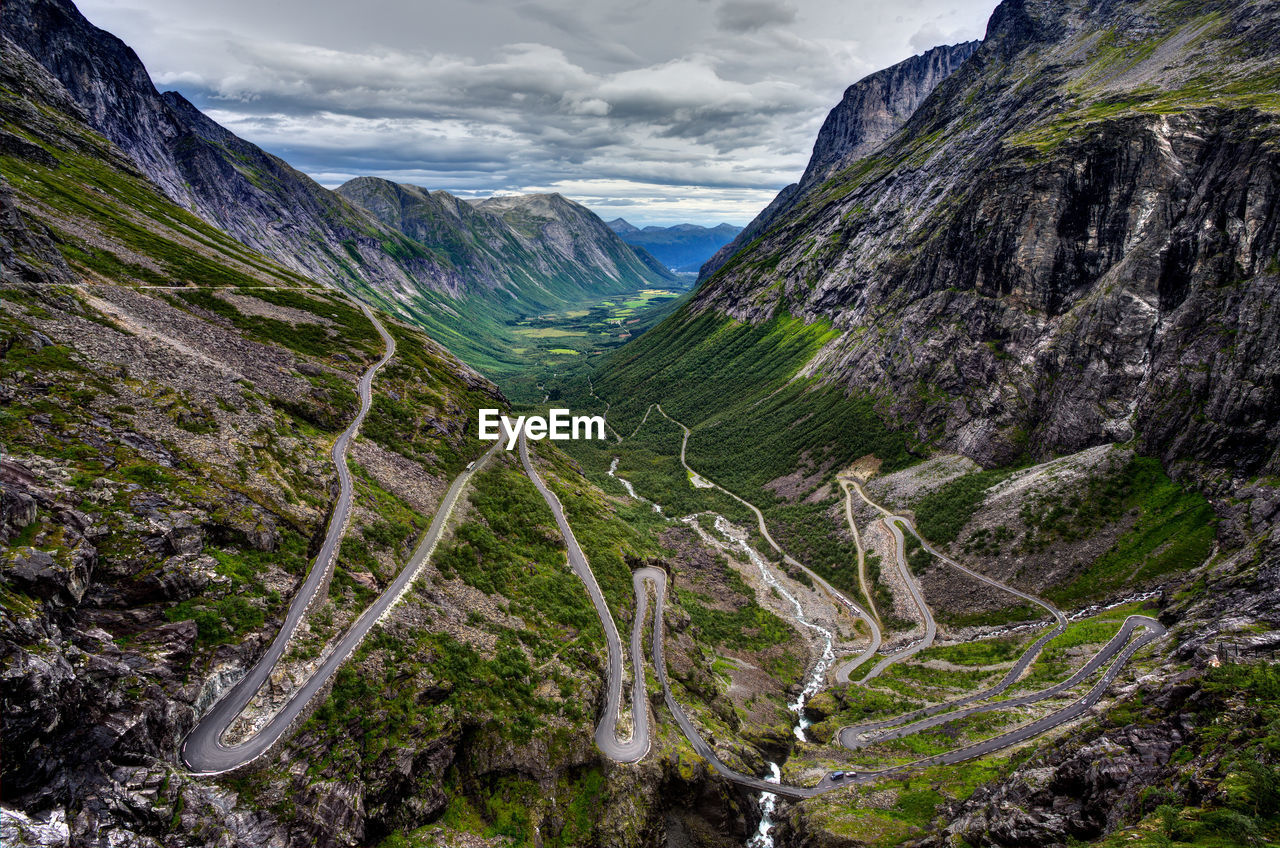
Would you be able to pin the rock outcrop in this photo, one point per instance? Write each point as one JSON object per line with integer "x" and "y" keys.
{"x": 1071, "y": 241}
{"x": 872, "y": 109}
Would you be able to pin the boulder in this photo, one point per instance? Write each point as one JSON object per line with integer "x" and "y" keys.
{"x": 43, "y": 575}
{"x": 186, "y": 575}
{"x": 17, "y": 828}
{"x": 183, "y": 535}
{"x": 17, "y": 511}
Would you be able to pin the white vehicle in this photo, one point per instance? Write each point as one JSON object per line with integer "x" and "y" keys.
{"x": 471, "y": 465}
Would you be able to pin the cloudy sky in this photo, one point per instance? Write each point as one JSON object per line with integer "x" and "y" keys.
{"x": 659, "y": 111}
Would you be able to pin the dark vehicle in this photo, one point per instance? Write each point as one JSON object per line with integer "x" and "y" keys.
{"x": 837, "y": 775}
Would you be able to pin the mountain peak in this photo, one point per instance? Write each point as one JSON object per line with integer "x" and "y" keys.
{"x": 872, "y": 110}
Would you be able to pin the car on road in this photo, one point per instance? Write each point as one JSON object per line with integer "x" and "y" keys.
{"x": 471, "y": 465}
{"x": 837, "y": 775}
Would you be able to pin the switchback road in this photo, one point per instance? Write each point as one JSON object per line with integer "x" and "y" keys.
{"x": 896, "y": 522}
{"x": 1117, "y": 651}
{"x": 607, "y": 739}
{"x": 931, "y": 627}
{"x": 859, "y": 736}
{"x": 862, "y": 554}
{"x": 203, "y": 750}
{"x": 837, "y": 596}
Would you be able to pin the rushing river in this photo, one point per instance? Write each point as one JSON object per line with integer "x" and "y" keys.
{"x": 763, "y": 837}
{"x": 631, "y": 490}
{"x": 818, "y": 676}
{"x": 737, "y": 539}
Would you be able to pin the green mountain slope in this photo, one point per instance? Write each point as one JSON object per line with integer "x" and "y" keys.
{"x": 517, "y": 257}
{"x": 1069, "y": 242}
{"x": 460, "y": 272}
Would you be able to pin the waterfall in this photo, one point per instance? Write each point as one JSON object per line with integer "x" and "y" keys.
{"x": 613, "y": 468}
{"x": 763, "y": 837}
{"x": 819, "y": 674}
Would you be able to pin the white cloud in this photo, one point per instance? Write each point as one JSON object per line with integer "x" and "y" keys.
{"x": 931, "y": 35}
{"x": 702, "y": 110}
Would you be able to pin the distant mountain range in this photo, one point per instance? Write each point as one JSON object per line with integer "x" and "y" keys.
{"x": 684, "y": 247}
{"x": 448, "y": 265}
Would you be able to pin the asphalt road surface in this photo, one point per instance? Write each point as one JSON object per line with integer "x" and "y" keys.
{"x": 1154, "y": 630}
{"x": 837, "y": 596}
{"x": 1028, "y": 656}
{"x": 1118, "y": 651}
{"x": 862, "y": 554}
{"x": 621, "y": 750}
{"x": 203, "y": 750}
{"x": 910, "y": 525}
{"x": 930, "y": 626}
{"x": 859, "y": 736}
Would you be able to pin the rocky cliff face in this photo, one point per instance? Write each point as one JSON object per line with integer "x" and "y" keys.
{"x": 876, "y": 107}
{"x": 1073, "y": 240}
{"x": 873, "y": 109}
{"x": 201, "y": 166}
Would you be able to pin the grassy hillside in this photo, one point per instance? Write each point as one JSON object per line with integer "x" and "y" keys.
{"x": 738, "y": 387}
{"x": 512, "y": 265}
{"x": 530, "y": 350}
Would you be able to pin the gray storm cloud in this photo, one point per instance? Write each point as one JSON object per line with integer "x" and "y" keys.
{"x": 663, "y": 112}
{"x": 750, "y": 15}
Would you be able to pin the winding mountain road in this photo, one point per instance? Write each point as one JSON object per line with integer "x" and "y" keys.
{"x": 859, "y": 736}
{"x": 1117, "y": 651}
{"x": 203, "y": 751}
{"x": 862, "y": 554}
{"x": 607, "y": 739}
{"x": 591, "y": 390}
{"x": 892, "y": 517}
{"x": 931, "y": 627}
{"x": 837, "y": 596}
{"x": 895, "y": 523}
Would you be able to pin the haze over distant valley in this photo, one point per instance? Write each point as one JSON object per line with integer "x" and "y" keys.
{"x": 683, "y": 247}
